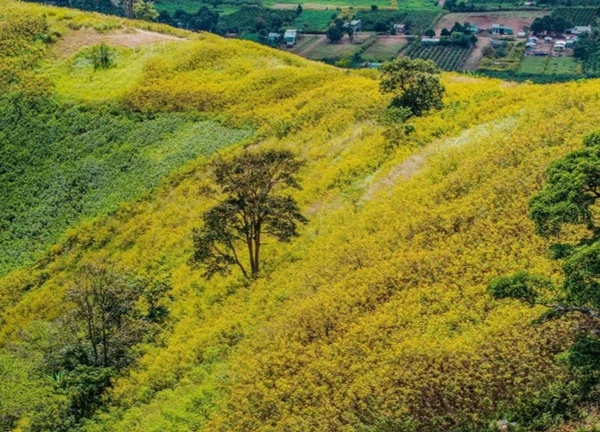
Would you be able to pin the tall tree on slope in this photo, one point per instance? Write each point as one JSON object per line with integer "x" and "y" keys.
{"x": 253, "y": 206}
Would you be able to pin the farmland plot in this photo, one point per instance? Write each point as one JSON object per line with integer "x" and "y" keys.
{"x": 579, "y": 16}
{"x": 447, "y": 58}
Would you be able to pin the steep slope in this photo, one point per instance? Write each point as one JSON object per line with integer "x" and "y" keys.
{"x": 376, "y": 317}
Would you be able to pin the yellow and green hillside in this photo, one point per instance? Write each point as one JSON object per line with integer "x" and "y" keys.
{"x": 375, "y": 318}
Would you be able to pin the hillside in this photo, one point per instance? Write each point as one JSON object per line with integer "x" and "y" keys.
{"x": 375, "y": 318}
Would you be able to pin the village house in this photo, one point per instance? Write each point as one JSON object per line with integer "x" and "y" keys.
{"x": 429, "y": 40}
{"x": 571, "y": 42}
{"x": 501, "y": 30}
{"x": 355, "y": 25}
{"x": 579, "y": 30}
{"x": 400, "y": 28}
{"x": 273, "y": 37}
{"x": 290, "y": 37}
{"x": 560, "y": 45}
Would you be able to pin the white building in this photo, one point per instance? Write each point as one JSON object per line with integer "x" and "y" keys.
{"x": 430, "y": 41}
{"x": 581, "y": 30}
{"x": 290, "y": 37}
{"x": 560, "y": 45}
{"x": 400, "y": 28}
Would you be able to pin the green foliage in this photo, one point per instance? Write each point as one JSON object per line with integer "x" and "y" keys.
{"x": 252, "y": 209}
{"x": 581, "y": 269}
{"x": 415, "y": 84}
{"x": 25, "y": 392}
{"x": 254, "y": 18}
{"x": 203, "y": 19}
{"x": 507, "y": 57}
{"x": 92, "y": 159}
{"x": 83, "y": 387}
{"x": 579, "y": 16}
{"x": 334, "y": 33}
{"x": 106, "y": 313}
{"x": 144, "y": 10}
{"x": 548, "y": 24}
{"x": 74, "y": 360}
{"x": 102, "y": 6}
{"x": 416, "y": 21}
{"x": 572, "y": 187}
{"x": 522, "y": 285}
{"x": 568, "y": 198}
{"x": 102, "y": 56}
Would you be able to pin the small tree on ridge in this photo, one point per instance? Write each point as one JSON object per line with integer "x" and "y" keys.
{"x": 415, "y": 84}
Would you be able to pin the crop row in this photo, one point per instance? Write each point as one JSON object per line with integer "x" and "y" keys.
{"x": 577, "y": 16}
{"x": 447, "y": 58}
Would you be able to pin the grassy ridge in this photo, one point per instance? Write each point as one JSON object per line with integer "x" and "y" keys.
{"x": 376, "y": 316}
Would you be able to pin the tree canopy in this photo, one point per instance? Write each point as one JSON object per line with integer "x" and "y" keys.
{"x": 571, "y": 190}
{"x": 253, "y": 205}
{"x": 334, "y": 33}
{"x": 568, "y": 198}
{"x": 414, "y": 84}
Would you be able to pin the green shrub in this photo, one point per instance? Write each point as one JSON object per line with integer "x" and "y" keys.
{"x": 102, "y": 56}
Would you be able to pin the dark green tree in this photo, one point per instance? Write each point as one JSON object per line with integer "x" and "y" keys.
{"x": 334, "y": 33}
{"x": 253, "y": 205}
{"x": 107, "y": 316}
{"x": 299, "y": 10}
{"x": 415, "y": 84}
{"x": 350, "y": 32}
{"x": 205, "y": 20}
{"x": 568, "y": 198}
{"x": 381, "y": 26}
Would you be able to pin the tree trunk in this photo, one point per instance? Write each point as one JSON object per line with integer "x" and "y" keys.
{"x": 89, "y": 314}
{"x": 250, "y": 241}
{"x": 257, "y": 249}
{"x": 129, "y": 8}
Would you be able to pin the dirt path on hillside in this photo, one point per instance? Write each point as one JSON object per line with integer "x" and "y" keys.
{"x": 405, "y": 170}
{"x": 305, "y": 47}
{"x": 476, "y": 54}
{"x": 130, "y": 38}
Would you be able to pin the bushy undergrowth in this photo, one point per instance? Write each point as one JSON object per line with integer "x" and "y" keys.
{"x": 60, "y": 164}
